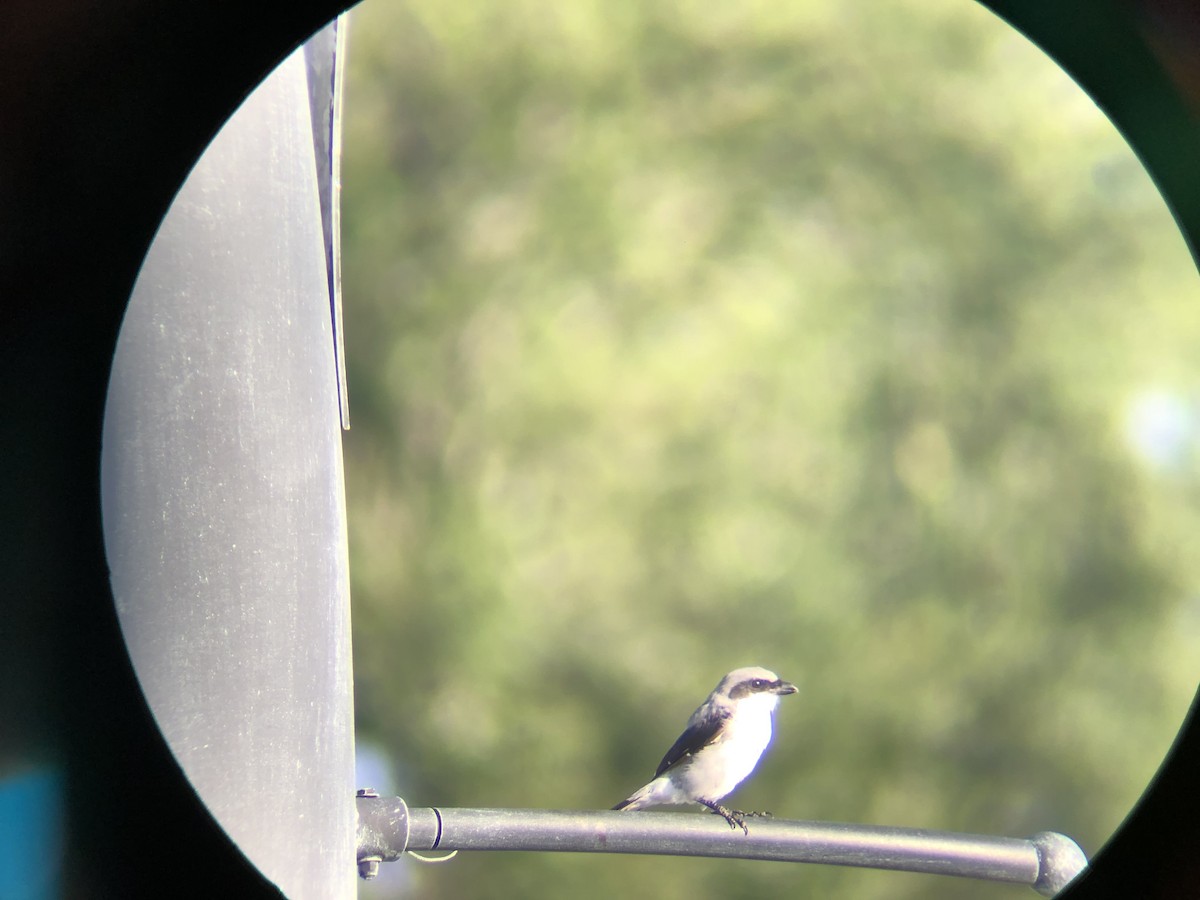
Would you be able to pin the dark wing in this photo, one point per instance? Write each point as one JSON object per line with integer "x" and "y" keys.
{"x": 706, "y": 730}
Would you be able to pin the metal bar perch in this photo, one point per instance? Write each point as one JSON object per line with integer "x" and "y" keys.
{"x": 1047, "y": 861}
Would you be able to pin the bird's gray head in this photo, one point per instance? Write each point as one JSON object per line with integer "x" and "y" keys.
{"x": 742, "y": 683}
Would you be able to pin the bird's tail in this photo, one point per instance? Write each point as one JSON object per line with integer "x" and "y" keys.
{"x": 646, "y": 795}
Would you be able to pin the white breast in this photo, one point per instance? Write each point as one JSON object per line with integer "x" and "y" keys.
{"x": 719, "y": 768}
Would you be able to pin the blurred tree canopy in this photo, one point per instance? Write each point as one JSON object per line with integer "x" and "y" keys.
{"x": 811, "y": 335}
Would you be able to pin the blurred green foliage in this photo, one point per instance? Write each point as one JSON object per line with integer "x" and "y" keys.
{"x": 808, "y": 335}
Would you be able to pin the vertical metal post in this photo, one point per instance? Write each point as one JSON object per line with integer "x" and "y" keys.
{"x": 222, "y": 492}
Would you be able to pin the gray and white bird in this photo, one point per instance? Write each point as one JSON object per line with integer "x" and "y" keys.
{"x": 723, "y": 742}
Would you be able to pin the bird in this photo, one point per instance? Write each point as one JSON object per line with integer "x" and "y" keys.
{"x": 722, "y": 743}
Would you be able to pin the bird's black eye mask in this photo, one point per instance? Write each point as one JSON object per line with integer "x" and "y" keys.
{"x": 753, "y": 686}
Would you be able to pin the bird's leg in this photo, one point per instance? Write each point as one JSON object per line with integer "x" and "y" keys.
{"x": 732, "y": 816}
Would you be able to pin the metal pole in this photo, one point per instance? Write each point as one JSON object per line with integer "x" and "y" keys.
{"x": 223, "y": 492}
{"x": 387, "y": 828}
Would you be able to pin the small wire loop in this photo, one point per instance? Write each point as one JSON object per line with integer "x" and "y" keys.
{"x": 433, "y": 860}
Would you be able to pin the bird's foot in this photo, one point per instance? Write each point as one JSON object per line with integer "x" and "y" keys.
{"x": 752, "y": 814}
{"x": 735, "y": 818}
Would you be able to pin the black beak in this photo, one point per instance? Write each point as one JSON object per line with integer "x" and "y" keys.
{"x": 784, "y": 687}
